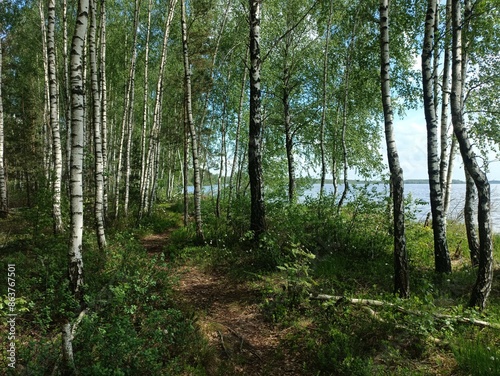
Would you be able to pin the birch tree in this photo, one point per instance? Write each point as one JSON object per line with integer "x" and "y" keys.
{"x": 4, "y": 208}
{"x": 482, "y": 286}
{"x": 146, "y": 189}
{"x": 97, "y": 117}
{"x": 258, "y": 211}
{"x": 54, "y": 118}
{"x": 441, "y": 254}
{"x": 191, "y": 126}
{"x": 445, "y": 101}
{"x": 104, "y": 108}
{"x": 401, "y": 273}
{"x": 75, "y": 266}
{"x": 324, "y": 102}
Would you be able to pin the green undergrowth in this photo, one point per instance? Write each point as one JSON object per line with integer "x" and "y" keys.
{"x": 311, "y": 248}
{"x": 132, "y": 325}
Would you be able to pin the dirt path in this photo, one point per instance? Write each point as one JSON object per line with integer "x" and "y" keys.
{"x": 229, "y": 316}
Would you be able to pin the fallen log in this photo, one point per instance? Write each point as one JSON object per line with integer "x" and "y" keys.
{"x": 380, "y": 303}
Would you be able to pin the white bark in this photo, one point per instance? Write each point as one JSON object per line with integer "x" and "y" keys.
{"x": 47, "y": 142}
{"x": 191, "y": 126}
{"x": 441, "y": 254}
{"x": 77, "y": 139}
{"x": 445, "y": 100}
{"x": 401, "y": 271}
{"x": 324, "y": 104}
{"x": 96, "y": 101}
{"x": 237, "y": 136}
{"x": 67, "y": 90}
{"x": 104, "y": 109}
{"x": 482, "y": 287}
{"x": 54, "y": 118}
{"x": 146, "y": 107}
{"x": 75, "y": 262}
{"x": 130, "y": 109}
{"x": 4, "y": 208}
{"x": 155, "y": 129}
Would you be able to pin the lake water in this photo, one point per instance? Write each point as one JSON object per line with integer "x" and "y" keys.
{"x": 421, "y": 192}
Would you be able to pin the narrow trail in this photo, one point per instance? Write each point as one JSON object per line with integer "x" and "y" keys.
{"x": 229, "y": 317}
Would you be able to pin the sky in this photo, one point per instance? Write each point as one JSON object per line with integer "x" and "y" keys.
{"x": 410, "y": 135}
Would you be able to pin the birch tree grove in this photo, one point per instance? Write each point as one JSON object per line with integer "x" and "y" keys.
{"x": 401, "y": 271}
{"x": 157, "y": 157}
{"x": 146, "y": 193}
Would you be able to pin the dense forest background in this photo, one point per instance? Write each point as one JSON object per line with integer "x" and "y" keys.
{"x": 148, "y": 145}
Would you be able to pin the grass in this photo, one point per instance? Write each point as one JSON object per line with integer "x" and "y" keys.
{"x": 131, "y": 304}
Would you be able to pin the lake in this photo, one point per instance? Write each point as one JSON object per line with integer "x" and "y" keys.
{"x": 421, "y": 192}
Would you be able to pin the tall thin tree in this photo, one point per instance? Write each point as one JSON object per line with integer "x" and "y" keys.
{"x": 191, "y": 126}
{"x": 324, "y": 102}
{"x": 4, "y": 207}
{"x": 401, "y": 272}
{"x": 96, "y": 118}
{"x": 258, "y": 210}
{"x": 482, "y": 287}
{"x": 441, "y": 254}
{"x": 54, "y": 118}
{"x": 75, "y": 259}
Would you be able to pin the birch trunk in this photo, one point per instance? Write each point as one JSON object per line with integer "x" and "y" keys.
{"x": 470, "y": 223}
{"x": 4, "y": 207}
{"x": 445, "y": 100}
{"x": 237, "y": 136}
{"x": 223, "y": 158}
{"x": 185, "y": 169}
{"x": 98, "y": 154}
{"x": 54, "y": 119}
{"x": 104, "y": 110}
{"x": 287, "y": 120}
{"x": 67, "y": 88}
{"x": 401, "y": 273}
{"x": 46, "y": 134}
{"x": 146, "y": 106}
{"x": 75, "y": 262}
{"x": 345, "y": 109}
{"x": 324, "y": 104}
{"x": 482, "y": 287}
{"x": 258, "y": 211}
{"x": 77, "y": 139}
{"x": 155, "y": 129}
{"x": 191, "y": 126}
{"x": 130, "y": 109}
{"x": 441, "y": 255}
{"x": 127, "y": 122}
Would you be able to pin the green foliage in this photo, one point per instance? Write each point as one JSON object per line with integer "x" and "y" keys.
{"x": 297, "y": 270}
{"x": 475, "y": 357}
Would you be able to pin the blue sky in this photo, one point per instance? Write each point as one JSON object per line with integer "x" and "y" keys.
{"x": 410, "y": 134}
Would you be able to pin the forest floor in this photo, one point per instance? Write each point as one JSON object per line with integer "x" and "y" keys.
{"x": 239, "y": 337}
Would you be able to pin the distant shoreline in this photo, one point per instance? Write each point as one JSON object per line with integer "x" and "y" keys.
{"x": 408, "y": 181}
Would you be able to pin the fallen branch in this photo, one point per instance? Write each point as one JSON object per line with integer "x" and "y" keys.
{"x": 243, "y": 341}
{"x": 381, "y": 303}
{"x": 222, "y": 343}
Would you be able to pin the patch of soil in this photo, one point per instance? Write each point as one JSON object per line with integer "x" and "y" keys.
{"x": 154, "y": 243}
{"x": 230, "y": 319}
